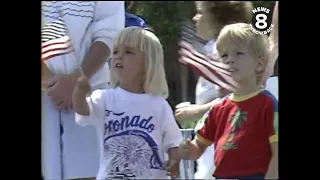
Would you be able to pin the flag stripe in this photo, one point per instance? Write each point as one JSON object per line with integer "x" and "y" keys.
{"x": 203, "y": 60}
{"x": 202, "y": 70}
{"x": 209, "y": 73}
{"x": 200, "y": 56}
{"x": 58, "y": 47}
{"x": 213, "y": 71}
{"x": 55, "y": 54}
{"x": 55, "y": 41}
{"x": 209, "y": 68}
{"x": 222, "y": 74}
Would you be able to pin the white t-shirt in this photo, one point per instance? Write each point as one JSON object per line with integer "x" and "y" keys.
{"x": 205, "y": 90}
{"x": 85, "y": 22}
{"x": 134, "y": 130}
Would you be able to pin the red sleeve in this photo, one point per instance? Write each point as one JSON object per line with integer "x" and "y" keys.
{"x": 207, "y": 132}
{"x": 272, "y": 120}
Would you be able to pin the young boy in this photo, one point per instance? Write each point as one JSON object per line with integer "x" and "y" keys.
{"x": 243, "y": 125}
{"x": 211, "y": 17}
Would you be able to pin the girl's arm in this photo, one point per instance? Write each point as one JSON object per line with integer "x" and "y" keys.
{"x": 171, "y": 138}
{"x": 80, "y": 104}
{"x": 173, "y": 165}
{"x": 88, "y": 110}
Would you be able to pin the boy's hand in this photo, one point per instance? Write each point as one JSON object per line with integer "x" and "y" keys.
{"x": 173, "y": 168}
{"x": 83, "y": 85}
{"x": 186, "y": 147}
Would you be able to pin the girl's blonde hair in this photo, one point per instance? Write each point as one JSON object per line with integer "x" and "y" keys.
{"x": 155, "y": 82}
{"x": 241, "y": 34}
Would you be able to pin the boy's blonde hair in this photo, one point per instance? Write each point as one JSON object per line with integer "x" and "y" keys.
{"x": 241, "y": 34}
{"x": 155, "y": 78}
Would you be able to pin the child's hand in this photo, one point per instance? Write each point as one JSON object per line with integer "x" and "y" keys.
{"x": 187, "y": 113}
{"x": 173, "y": 168}
{"x": 83, "y": 85}
{"x": 187, "y": 148}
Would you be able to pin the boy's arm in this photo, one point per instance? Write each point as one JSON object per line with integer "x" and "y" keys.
{"x": 272, "y": 130}
{"x": 203, "y": 139}
{"x": 199, "y": 148}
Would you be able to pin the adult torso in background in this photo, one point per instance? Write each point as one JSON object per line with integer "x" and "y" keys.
{"x": 77, "y": 16}
{"x": 272, "y": 83}
{"x": 205, "y": 90}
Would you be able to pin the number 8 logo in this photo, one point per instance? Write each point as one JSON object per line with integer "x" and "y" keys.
{"x": 261, "y": 21}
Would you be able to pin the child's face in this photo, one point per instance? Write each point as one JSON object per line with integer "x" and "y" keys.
{"x": 240, "y": 63}
{"x": 128, "y": 64}
{"x": 204, "y": 26}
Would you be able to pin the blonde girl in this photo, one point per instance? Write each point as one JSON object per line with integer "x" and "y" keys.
{"x": 135, "y": 123}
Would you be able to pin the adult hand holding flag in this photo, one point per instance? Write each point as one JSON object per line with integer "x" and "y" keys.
{"x": 55, "y": 41}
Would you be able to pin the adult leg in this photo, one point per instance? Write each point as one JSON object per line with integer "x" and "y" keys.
{"x": 50, "y": 140}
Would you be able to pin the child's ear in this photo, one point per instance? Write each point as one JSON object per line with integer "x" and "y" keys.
{"x": 260, "y": 66}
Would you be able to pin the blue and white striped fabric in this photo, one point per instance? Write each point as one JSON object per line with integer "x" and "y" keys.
{"x": 187, "y": 166}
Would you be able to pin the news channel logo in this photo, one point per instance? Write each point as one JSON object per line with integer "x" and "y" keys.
{"x": 262, "y": 21}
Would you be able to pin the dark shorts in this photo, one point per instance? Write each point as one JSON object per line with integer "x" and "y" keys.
{"x": 256, "y": 177}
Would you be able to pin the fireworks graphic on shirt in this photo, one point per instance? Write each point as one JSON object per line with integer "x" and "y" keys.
{"x": 128, "y": 153}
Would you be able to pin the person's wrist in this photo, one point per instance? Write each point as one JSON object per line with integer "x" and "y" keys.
{"x": 79, "y": 92}
{"x": 75, "y": 75}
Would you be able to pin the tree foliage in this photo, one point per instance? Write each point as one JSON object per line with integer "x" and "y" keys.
{"x": 164, "y": 16}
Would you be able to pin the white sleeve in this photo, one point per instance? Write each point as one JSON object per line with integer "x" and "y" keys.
{"x": 272, "y": 85}
{"x": 96, "y": 102}
{"x": 171, "y": 134}
{"x": 109, "y": 20}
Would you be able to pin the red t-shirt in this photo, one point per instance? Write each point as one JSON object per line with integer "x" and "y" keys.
{"x": 242, "y": 128}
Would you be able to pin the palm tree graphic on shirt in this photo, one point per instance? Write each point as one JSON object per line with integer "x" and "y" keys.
{"x": 237, "y": 120}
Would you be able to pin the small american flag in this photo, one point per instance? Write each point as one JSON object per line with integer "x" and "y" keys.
{"x": 205, "y": 66}
{"x": 55, "y": 41}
